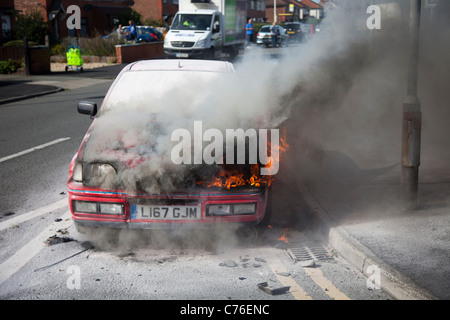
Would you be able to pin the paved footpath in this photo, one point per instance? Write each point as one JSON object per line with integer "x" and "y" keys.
{"x": 19, "y": 86}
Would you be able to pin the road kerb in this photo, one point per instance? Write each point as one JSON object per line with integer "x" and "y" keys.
{"x": 30, "y": 96}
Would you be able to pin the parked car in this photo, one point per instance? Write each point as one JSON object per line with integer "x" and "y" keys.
{"x": 104, "y": 187}
{"x": 294, "y": 30}
{"x": 264, "y": 36}
{"x": 143, "y": 34}
{"x": 146, "y": 34}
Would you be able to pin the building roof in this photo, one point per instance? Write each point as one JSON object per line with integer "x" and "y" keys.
{"x": 311, "y": 4}
{"x": 308, "y": 4}
{"x": 282, "y": 3}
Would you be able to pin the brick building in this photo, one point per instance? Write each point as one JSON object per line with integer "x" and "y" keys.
{"x": 99, "y": 16}
{"x": 293, "y": 10}
{"x": 7, "y": 18}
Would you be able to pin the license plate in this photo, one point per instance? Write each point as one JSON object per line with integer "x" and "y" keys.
{"x": 146, "y": 212}
{"x": 181, "y": 55}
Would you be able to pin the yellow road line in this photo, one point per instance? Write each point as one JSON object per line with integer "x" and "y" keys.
{"x": 327, "y": 286}
{"x": 295, "y": 289}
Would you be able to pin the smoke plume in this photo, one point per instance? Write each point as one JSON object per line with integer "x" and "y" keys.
{"x": 339, "y": 95}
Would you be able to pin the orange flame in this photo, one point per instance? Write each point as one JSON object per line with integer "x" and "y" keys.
{"x": 233, "y": 176}
{"x": 284, "y": 237}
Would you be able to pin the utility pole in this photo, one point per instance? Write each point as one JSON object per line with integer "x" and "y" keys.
{"x": 412, "y": 116}
{"x": 275, "y": 11}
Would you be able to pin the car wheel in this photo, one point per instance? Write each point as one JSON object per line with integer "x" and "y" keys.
{"x": 210, "y": 54}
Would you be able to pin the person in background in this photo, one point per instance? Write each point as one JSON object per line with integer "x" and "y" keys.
{"x": 249, "y": 28}
{"x": 119, "y": 32}
{"x": 131, "y": 34}
{"x": 274, "y": 34}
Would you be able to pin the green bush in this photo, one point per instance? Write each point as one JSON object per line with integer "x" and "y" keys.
{"x": 154, "y": 23}
{"x": 32, "y": 26}
{"x": 58, "y": 49}
{"x": 126, "y": 16}
{"x": 18, "y": 43}
{"x": 96, "y": 46}
{"x": 10, "y": 66}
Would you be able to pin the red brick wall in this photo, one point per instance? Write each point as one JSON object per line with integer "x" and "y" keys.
{"x": 149, "y": 9}
{"x": 26, "y": 6}
{"x": 143, "y": 51}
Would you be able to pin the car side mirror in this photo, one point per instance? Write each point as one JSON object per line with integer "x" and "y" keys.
{"x": 86, "y": 107}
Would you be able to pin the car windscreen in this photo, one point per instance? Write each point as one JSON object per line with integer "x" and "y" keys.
{"x": 191, "y": 22}
{"x": 142, "y": 31}
{"x": 292, "y": 26}
{"x": 265, "y": 29}
{"x": 160, "y": 91}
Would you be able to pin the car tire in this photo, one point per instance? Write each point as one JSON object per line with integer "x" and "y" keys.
{"x": 210, "y": 54}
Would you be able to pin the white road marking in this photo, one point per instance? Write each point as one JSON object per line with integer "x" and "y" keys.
{"x": 31, "y": 249}
{"x": 42, "y": 146}
{"x": 33, "y": 214}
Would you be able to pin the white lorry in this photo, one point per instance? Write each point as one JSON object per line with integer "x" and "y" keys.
{"x": 207, "y": 28}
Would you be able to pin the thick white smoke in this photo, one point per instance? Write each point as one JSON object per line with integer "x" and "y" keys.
{"x": 341, "y": 90}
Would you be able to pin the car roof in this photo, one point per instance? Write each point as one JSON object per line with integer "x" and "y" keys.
{"x": 181, "y": 65}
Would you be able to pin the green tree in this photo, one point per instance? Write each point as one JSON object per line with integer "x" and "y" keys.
{"x": 127, "y": 15}
{"x": 32, "y": 26}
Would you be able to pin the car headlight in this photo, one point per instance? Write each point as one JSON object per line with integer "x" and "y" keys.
{"x": 200, "y": 43}
{"x": 93, "y": 173}
{"x": 231, "y": 209}
{"x": 98, "y": 207}
{"x": 219, "y": 210}
{"x": 77, "y": 174}
{"x": 244, "y": 208}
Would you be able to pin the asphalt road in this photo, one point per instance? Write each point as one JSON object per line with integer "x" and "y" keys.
{"x": 42, "y": 256}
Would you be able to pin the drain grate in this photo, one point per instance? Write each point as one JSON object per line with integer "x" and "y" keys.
{"x": 308, "y": 250}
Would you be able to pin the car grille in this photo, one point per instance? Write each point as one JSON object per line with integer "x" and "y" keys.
{"x": 182, "y": 44}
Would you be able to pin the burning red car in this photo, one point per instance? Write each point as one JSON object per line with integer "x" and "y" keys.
{"x": 122, "y": 176}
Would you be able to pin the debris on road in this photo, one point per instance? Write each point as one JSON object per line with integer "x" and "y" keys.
{"x": 308, "y": 264}
{"x": 228, "y": 263}
{"x": 56, "y": 240}
{"x": 86, "y": 246}
{"x": 272, "y": 291}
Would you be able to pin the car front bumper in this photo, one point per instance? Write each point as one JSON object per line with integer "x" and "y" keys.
{"x": 130, "y": 218}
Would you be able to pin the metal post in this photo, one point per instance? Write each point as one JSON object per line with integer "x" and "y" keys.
{"x": 275, "y": 11}
{"x": 412, "y": 117}
{"x": 26, "y": 53}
